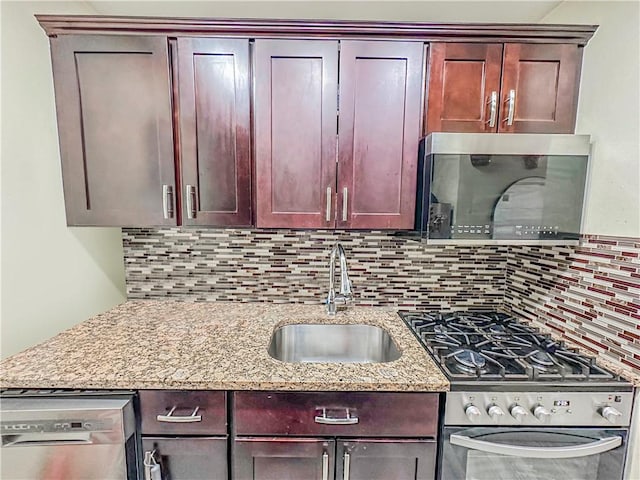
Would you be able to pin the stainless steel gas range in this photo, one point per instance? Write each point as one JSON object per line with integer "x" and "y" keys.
{"x": 522, "y": 405}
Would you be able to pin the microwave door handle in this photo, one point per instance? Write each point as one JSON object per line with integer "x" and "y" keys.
{"x": 574, "y": 451}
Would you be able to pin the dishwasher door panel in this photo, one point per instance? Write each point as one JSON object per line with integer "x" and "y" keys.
{"x": 63, "y": 462}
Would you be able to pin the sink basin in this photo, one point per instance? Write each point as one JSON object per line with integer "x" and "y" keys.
{"x": 333, "y": 344}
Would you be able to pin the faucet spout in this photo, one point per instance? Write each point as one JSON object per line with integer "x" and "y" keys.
{"x": 340, "y": 300}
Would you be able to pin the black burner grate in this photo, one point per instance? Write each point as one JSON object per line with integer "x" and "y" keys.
{"x": 496, "y": 346}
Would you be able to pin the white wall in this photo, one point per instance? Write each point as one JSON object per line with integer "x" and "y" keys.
{"x": 609, "y": 111}
{"x": 52, "y": 276}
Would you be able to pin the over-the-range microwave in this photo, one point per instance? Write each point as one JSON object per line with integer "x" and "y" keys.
{"x": 501, "y": 187}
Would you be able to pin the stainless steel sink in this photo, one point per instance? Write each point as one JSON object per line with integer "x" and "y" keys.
{"x": 332, "y": 343}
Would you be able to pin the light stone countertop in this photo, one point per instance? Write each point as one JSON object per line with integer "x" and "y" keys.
{"x": 212, "y": 346}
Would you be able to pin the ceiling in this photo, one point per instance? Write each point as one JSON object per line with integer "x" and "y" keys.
{"x": 505, "y": 11}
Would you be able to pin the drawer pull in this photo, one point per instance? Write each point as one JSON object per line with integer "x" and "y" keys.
{"x": 326, "y": 420}
{"x": 171, "y": 418}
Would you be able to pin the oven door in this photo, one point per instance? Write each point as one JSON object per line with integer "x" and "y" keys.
{"x": 490, "y": 453}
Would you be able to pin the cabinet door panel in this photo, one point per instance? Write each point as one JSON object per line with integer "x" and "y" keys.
{"x": 283, "y": 458}
{"x": 374, "y": 459}
{"x": 462, "y": 77}
{"x": 295, "y": 112}
{"x": 113, "y": 102}
{"x": 545, "y": 80}
{"x": 379, "y": 129}
{"x": 202, "y": 458}
{"x": 213, "y": 77}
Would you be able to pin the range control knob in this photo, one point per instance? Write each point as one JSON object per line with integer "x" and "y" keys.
{"x": 495, "y": 412}
{"x": 472, "y": 412}
{"x": 541, "y": 413}
{"x": 611, "y": 414}
{"x": 518, "y": 412}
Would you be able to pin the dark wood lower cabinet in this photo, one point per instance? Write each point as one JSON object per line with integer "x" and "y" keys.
{"x": 398, "y": 459}
{"x": 278, "y": 458}
{"x": 286, "y": 458}
{"x": 202, "y": 458}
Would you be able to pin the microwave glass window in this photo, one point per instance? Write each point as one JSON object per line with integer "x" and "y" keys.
{"x": 504, "y": 197}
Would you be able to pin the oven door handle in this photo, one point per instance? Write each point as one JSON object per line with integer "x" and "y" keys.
{"x": 574, "y": 451}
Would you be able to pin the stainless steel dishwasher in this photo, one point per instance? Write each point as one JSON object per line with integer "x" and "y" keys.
{"x": 67, "y": 438}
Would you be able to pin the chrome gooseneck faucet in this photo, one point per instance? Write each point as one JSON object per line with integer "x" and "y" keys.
{"x": 340, "y": 300}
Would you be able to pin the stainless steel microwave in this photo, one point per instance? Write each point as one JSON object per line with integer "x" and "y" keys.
{"x": 501, "y": 186}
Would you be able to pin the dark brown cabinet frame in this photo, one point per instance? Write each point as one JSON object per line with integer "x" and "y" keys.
{"x": 228, "y": 34}
{"x": 506, "y": 88}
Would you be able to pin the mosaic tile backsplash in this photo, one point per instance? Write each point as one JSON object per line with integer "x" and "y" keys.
{"x": 589, "y": 293}
{"x": 293, "y": 266}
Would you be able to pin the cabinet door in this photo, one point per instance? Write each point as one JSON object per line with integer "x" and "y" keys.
{"x": 543, "y": 82}
{"x": 296, "y": 85}
{"x": 379, "y": 130}
{"x": 202, "y": 458}
{"x": 464, "y": 87}
{"x": 385, "y": 459}
{"x": 215, "y": 143}
{"x": 283, "y": 459}
{"x": 113, "y": 101}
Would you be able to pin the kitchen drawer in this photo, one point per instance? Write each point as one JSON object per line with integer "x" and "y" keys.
{"x": 336, "y": 414}
{"x": 158, "y": 419}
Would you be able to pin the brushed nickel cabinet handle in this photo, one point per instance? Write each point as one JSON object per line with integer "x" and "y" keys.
{"x": 345, "y": 197}
{"x": 167, "y": 201}
{"x": 171, "y": 418}
{"x": 325, "y": 466}
{"x": 346, "y": 466}
{"x": 493, "y": 109}
{"x": 348, "y": 419}
{"x": 191, "y": 201}
{"x": 511, "y": 101}
{"x": 328, "y": 215}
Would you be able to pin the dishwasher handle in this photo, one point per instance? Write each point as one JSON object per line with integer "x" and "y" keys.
{"x": 44, "y": 439}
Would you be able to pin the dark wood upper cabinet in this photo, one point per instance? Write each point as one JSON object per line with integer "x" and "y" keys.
{"x": 544, "y": 80}
{"x": 307, "y": 125}
{"x": 113, "y": 102}
{"x": 462, "y": 79}
{"x": 215, "y": 133}
{"x": 295, "y": 132}
{"x": 523, "y": 88}
{"x": 296, "y": 121}
{"x": 379, "y": 129}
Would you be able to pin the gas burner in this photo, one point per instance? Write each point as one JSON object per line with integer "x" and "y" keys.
{"x": 467, "y": 362}
{"x": 469, "y": 359}
{"x": 540, "y": 358}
